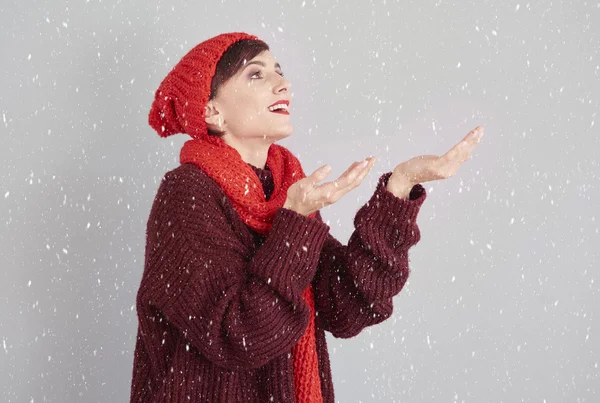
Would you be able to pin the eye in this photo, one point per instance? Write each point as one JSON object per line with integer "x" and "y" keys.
{"x": 259, "y": 72}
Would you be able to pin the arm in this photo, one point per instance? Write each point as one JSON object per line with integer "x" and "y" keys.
{"x": 239, "y": 307}
{"x": 354, "y": 284}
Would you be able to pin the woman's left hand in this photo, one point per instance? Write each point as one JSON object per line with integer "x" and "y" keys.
{"x": 427, "y": 168}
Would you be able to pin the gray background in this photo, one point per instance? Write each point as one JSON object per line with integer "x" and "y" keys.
{"x": 503, "y": 299}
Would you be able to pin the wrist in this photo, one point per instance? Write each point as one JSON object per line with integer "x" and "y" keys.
{"x": 288, "y": 205}
{"x": 400, "y": 189}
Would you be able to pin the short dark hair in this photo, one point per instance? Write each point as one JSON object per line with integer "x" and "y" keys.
{"x": 231, "y": 62}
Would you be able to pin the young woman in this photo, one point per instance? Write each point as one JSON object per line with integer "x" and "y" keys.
{"x": 241, "y": 276}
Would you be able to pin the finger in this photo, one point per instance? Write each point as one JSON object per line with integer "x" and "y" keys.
{"x": 463, "y": 149}
{"x": 347, "y": 172}
{"x": 341, "y": 191}
{"x": 319, "y": 174}
{"x": 365, "y": 171}
{"x": 352, "y": 168}
{"x": 472, "y": 138}
{"x": 451, "y": 162}
{"x": 352, "y": 173}
{"x": 327, "y": 191}
{"x": 474, "y": 134}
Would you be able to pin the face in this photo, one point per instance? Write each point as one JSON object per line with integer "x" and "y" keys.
{"x": 242, "y": 103}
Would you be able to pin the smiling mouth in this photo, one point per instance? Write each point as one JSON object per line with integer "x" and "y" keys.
{"x": 280, "y": 108}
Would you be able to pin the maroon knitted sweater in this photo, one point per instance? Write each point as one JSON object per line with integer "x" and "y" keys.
{"x": 220, "y": 307}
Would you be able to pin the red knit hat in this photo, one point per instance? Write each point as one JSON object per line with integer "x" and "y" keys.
{"x": 180, "y": 99}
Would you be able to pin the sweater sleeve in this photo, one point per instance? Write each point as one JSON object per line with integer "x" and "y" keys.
{"x": 240, "y": 307}
{"x": 354, "y": 284}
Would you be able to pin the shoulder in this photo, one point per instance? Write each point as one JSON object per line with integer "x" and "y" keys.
{"x": 189, "y": 178}
{"x": 189, "y": 186}
{"x": 186, "y": 174}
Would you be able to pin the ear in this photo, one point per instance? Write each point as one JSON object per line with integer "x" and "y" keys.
{"x": 213, "y": 118}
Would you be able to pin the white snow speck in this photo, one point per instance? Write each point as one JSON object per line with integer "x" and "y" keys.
{"x": 65, "y": 251}
{"x": 458, "y": 65}
{"x": 6, "y": 194}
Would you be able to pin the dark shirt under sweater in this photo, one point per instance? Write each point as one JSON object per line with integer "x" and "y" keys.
{"x": 220, "y": 306}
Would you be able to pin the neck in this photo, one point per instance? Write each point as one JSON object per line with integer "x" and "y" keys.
{"x": 252, "y": 152}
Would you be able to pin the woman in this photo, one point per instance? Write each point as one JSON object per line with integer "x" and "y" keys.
{"x": 241, "y": 276}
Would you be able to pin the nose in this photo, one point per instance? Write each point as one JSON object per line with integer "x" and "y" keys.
{"x": 283, "y": 85}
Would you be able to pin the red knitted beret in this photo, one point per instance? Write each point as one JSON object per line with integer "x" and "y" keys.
{"x": 180, "y": 99}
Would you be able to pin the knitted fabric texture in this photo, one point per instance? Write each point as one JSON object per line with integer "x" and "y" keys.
{"x": 241, "y": 184}
{"x": 220, "y": 307}
{"x": 179, "y": 107}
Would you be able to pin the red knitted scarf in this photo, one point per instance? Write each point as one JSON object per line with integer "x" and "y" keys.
{"x": 240, "y": 183}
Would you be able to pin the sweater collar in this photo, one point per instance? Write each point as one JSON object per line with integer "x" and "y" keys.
{"x": 266, "y": 179}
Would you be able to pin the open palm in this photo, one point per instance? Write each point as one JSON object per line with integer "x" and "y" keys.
{"x": 425, "y": 168}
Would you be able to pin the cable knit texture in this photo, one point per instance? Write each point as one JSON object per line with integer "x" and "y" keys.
{"x": 221, "y": 306}
{"x": 233, "y": 283}
{"x": 178, "y": 107}
{"x": 225, "y": 166}
{"x": 242, "y": 186}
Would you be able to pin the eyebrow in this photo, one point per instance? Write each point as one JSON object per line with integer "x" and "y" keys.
{"x": 261, "y": 64}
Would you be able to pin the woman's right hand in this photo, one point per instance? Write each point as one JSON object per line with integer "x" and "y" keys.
{"x": 306, "y": 197}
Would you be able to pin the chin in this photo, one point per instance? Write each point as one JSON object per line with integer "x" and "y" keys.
{"x": 284, "y": 135}
{"x": 281, "y": 134}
